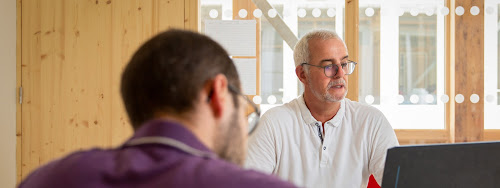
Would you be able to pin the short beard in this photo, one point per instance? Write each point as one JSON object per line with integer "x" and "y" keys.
{"x": 326, "y": 96}
{"x": 229, "y": 142}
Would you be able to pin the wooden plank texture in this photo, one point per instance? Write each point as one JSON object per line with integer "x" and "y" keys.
{"x": 469, "y": 71}
{"x": 450, "y": 70}
{"x": 18, "y": 85}
{"x": 416, "y": 136}
{"x": 171, "y": 14}
{"x": 192, "y": 15}
{"x": 491, "y": 135}
{"x": 352, "y": 42}
{"x": 71, "y": 57}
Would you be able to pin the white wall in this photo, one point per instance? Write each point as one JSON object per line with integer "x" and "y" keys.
{"x": 8, "y": 93}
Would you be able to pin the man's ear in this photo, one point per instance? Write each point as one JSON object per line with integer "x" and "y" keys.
{"x": 301, "y": 74}
{"x": 218, "y": 92}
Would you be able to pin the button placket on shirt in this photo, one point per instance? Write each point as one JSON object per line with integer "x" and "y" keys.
{"x": 320, "y": 135}
{"x": 324, "y": 154}
{"x": 324, "y": 140}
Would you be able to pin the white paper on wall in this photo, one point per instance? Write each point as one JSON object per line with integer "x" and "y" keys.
{"x": 238, "y": 37}
{"x": 247, "y": 70}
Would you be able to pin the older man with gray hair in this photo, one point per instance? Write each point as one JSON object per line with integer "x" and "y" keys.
{"x": 321, "y": 138}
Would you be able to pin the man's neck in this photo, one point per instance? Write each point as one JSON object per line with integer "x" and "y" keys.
{"x": 321, "y": 110}
{"x": 203, "y": 133}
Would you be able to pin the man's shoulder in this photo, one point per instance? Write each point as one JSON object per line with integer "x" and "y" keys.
{"x": 361, "y": 108}
{"x": 70, "y": 169}
{"x": 283, "y": 111}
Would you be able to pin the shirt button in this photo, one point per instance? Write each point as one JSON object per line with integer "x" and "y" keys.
{"x": 317, "y": 124}
{"x": 324, "y": 147}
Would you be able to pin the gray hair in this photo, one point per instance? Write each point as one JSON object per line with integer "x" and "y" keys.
{"x": 301, "y": 52}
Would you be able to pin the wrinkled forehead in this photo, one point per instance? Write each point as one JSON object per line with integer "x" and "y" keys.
{"x": 327, "y": 49}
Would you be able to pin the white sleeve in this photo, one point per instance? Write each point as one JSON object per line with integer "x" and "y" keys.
{"x": 383, "y": 139}
{"x": 261, "y": 148}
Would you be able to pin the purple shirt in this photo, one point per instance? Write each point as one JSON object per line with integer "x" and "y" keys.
{"x": 148, "y": 165}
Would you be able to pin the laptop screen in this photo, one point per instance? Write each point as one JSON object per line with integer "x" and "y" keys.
{"x": 445, "y": 165}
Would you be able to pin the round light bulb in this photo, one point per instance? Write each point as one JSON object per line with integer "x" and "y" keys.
{"x": 445, "y": 11}
{"x": 242, "y": 13}
{"x": 459, "y": 98}
{"x": 474, "y": 98}
{"x": 316, "y": 12}
{"x": 272, "y": 13}
{"x": 445, "y": 98}
{"x": 460, "y": 10}
{"x": 414, "y": 99}
{"x": 213, "y": 13}
{"x": 490, "y": 98}
{"x": 429, "y": 12}
{"x": 474, "y": 10}
{"x": 257, "y": 13}
{"x": 414, "y": 12}
{"x": 331, "y": 12}
{"x": 369, "y": 12}
{"x": 257, "y": 99}
{"x": 301, "y": 13}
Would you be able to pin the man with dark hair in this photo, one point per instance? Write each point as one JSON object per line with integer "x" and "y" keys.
{"x": 182, "y": 94}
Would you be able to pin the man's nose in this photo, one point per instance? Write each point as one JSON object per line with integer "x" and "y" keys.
{"x": 340, "y": 73}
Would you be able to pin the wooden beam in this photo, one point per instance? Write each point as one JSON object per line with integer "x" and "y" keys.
{"x": 450, "y": 70}
{"x": 277, "y": 22}
{"x": 469, "y": 64}
{"x": 491, "y": 135}
{"x": 352, "y": 42}
{"x": 418, "y": 136}
{"x": 192, "y": 15}
{"x": 18, "y": 85}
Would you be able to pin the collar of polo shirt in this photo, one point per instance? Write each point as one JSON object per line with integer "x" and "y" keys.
{"x": 310, "y": 120}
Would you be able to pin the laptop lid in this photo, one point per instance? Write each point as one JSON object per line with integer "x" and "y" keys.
{"x": 444, "y": 165}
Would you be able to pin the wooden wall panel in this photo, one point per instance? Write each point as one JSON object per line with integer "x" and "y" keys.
{"x": 450, "y": 70}
{"x": 132, "y": 23}
{"x": 72, "y": 53}
{"x": 18, "y": 86}
{"x": 192, "y": 15}
{"x": 171, "y": 14}
{"x": 469, "y": 71}
{"x": 352, "y": 43}
{"x": 30, "y": 149}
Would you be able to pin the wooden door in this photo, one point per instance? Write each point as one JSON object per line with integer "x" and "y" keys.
{"x": 72, "y": 56}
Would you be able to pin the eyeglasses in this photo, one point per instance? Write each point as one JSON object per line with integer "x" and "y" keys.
{"x": 332, "y": 69}
{"x": 253, "y": 118}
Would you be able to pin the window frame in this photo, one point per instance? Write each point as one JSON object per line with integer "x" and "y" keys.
{"x": 454, "y": 130}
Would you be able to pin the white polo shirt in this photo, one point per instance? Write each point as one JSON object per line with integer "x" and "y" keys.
{"x": 287, "y": 143}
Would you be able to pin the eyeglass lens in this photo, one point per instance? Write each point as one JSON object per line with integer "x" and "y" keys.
{"x": 253, "y": 119}
{"x": 332, "y": 69}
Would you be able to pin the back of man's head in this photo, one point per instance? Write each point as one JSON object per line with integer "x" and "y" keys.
{"x": 167, "y": 74}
